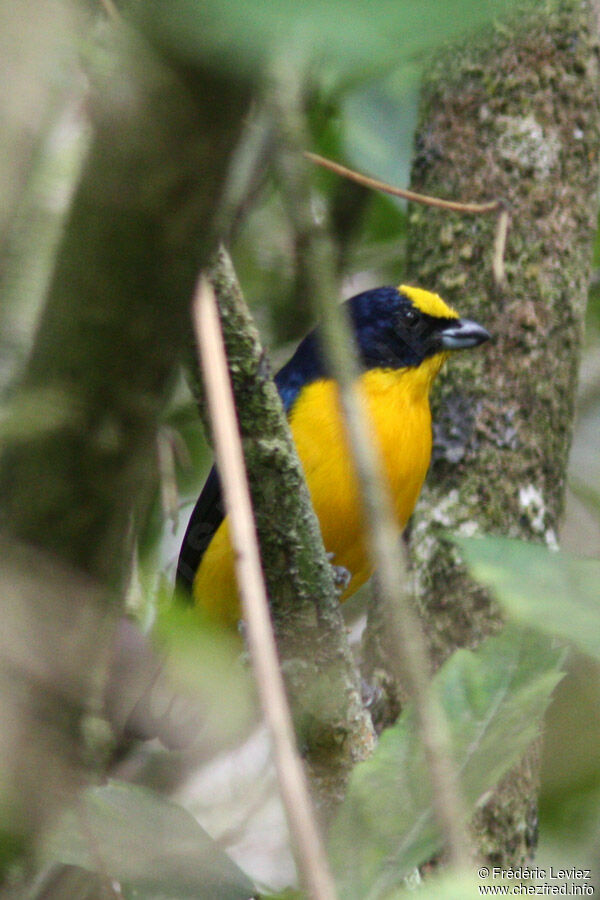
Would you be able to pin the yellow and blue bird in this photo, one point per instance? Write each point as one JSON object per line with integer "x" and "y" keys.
{"x": 403, "y": 336}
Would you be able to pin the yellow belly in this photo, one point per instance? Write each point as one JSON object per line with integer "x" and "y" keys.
{"x": 397, "y": 404}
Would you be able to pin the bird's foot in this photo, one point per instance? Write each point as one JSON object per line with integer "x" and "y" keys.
{"x": 341, "y": 576}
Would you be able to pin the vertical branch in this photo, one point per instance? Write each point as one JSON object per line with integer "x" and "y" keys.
{"x": 93, "y": 383}
{"x": 320, "y": 677}
{"x": 310, "y": 857}
{"x": 504, "y": 416}
{"x": 392, "y": 578}
{"x": 115, "y": 321}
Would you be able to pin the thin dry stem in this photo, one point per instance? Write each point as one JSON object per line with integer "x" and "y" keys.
{"x": 376, "y": 185}
{"x": 310, "y": 857}
{"x": 381, "y": 527}
{"x": 412, "y": 663}
{"x": 500, "y": 246}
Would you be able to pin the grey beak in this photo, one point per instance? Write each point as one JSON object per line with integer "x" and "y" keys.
{"x": 462, "y": 334}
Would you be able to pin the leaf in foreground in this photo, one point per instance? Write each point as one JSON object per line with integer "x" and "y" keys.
{"x": 554, "y": 591}
{"x": 494, "y": 699}
{"x": 356, "y": 34}
{"x": 153, "y": 847}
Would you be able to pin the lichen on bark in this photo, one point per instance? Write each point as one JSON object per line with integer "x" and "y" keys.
{"x": 333, "y": 727}
{"x": 514, "y": 116}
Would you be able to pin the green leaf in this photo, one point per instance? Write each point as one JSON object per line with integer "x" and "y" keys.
{"x": 380, "y": 121}
{"x": 37, "y": 412}
{"x": 355, "y": 35}
{"x": 494, "y": 699}
{"x": 205, "y": 682}
{"x": 450, "y": 886}
{"x": 152, "y": 846}
{"x": 553, "y": 591}
{"x": 569, "y": 799}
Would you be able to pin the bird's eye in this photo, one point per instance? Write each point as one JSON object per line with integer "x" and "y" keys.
{"x": 410, "y": 316}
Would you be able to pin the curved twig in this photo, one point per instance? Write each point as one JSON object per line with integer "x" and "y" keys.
{"x": 424, "y": 199}
{"x": 497, "y": 206}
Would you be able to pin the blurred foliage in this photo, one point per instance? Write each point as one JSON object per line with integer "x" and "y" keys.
{"x": 557, "y": 593}
{"x": 43, "y": 140}
{"x": 494, "y": 699}
{"x": 152, "y": 846}
{"x": 553, "y": 591}
{"x": 362, "y": 60}
{"x": 353, "y": 38}
{"x": 569, "y": 802}
{"x": 198, "y": 654}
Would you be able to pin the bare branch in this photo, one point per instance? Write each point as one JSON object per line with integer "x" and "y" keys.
{"x": 423, "y": 199}
{"x": 500, "y": 246}
{"x": 382, "y": 530}
{"x": 309, "y": 626}
{"x": 310, "y": 857}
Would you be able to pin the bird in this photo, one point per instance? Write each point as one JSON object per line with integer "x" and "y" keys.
{"x": 403, "y": 336}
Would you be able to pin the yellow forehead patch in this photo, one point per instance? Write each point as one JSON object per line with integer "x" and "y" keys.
{"x": 426, "y": 302}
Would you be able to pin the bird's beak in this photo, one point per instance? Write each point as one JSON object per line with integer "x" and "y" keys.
{"x": 462, "y": 334}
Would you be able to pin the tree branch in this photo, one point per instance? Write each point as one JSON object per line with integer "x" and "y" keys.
{"x": 310, "y": 857}
{"x": 317, "y": 664}
{"x": 111, "y": 334}
{"x": 410, "y": 653}
{"x": 503, "y": 416}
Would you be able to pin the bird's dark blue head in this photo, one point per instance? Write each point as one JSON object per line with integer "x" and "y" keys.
{"x": 394, "y": 328}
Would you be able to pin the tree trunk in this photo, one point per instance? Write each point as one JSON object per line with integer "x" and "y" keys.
{"x": 332, "y": 726}
{"x": 82, "y": 464}
{"x": 512, "y": 116}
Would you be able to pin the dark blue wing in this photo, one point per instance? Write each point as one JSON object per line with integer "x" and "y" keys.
{"x": 206, "y": 517}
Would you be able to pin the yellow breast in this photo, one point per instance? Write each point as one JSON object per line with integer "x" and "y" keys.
{"x": 397, "y": 405}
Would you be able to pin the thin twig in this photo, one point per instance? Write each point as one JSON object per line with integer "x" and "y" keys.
{"x": 500, "y": 246}
{"x": 310, "y": 857}
{"x": 412, "y": 662}
{"x": 423, "y": 199}
{"x": 381, "y": 527}
{"x": 469, "y": 208}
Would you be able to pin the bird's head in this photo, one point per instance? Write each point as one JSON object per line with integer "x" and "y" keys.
{"x": 394, "y": 328}
{"x": 402, "y": 327}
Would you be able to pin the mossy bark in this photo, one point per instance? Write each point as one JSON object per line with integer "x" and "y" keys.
{"x": 333, "y": 727}
{"x": 514, "y": 116}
